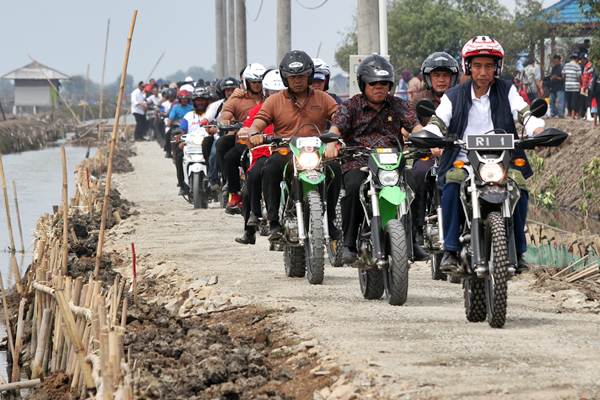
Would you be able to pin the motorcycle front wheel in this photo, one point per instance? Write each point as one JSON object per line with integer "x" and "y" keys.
{"x": 315, "y": 241}
{"x": 397, "y": 269}
{"x": 196, "y": 189}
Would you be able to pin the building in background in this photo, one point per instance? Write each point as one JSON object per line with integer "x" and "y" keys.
{"x": 36, "y": 87}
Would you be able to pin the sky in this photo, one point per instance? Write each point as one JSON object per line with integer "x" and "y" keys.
{"x": 69, "y": 34}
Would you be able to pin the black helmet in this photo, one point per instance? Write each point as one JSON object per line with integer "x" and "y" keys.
{"x": 296, "y": 62}
{"x": 439, "y": 60}
{"x": 227, "y": 83}
{"x": 201, "y": 92}
{"x": 374, "y": 68}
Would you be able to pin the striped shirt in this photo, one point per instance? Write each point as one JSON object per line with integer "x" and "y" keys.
{"x": 572, "y": 75}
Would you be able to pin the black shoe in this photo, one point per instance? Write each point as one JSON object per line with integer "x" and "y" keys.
{"x": 449, "y": 263}
{"x": 418, "y": 253}
{"x": 335, "y": 233}
{"x": 247, "y": 238}
{"x": 349, "y": 255}
{"x": 275, "y": 231}
{"x": 252, "y": 220}
{"x": 419, "y": 235}
{"x": 521, "y": 264}
{"x": 168, "y": 155}
{"x": 184, "y": 190}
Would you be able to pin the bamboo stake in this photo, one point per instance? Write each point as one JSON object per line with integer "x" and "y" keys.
{"x": 14, "y": 266}
{"x": 7, "y": 207}
{"x": 36, "y": 365}
{"x": 100, "y": 116}
{"x": 65, "y": 211}
{"x": 18, "y": 216}
{"x": 113, "y": 141}
{"x": 20, "y": 385}
{"x": 16, "y": 370}
{"x": 11, "y": 344}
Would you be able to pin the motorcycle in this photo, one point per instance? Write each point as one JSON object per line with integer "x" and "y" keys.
{"x": 489, "y": 196}
{"x": 384, "y": 241}
{"x": 195, "y": 169}
{"x": 303, "y": 210}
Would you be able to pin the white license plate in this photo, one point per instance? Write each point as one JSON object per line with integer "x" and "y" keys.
{"x": 311, "y": 141}
{"x": 388, "y": 158}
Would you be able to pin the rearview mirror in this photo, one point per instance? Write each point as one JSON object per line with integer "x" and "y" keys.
{"x": 538, "y": 108}
{"x": 425, "y": 108}
{"x": 428, "y": 140}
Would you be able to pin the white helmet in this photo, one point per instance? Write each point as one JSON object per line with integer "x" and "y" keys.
{"x": 321, "y": 67}
{"x": 188, "y": 79}
{"x": 254, "y": 72}
{"x": 272, "y": 81}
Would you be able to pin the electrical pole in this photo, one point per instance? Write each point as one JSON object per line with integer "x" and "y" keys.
{"x": 368, "y": 27}
{"x": 240, "y": 34}
{"x": 221, "y": 36}
{"x": 231, "y": 38}
{"x": 284, "y": 28}
{"x": 103, "y": 71}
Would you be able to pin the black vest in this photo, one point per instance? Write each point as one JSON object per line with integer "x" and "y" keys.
{"x": 502, "y": 118}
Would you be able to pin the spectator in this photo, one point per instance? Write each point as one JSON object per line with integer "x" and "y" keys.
{"x": 415, "y": 85}
{"x": 402, "y": 88}
{"x": 572, "y": 74}
{"x": 138, "y": 109}
{"x": 557, "y": 88}
{"x": 595, "y": 89}
{"x": 586, "y": 81}
{"x": 532, "y": 79}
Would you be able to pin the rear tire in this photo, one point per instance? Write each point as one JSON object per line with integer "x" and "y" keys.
{"x": 474, "y": 293}
{"x": 293, "y": 261}
{"x": 314, "y": 243}
{"x": 397, "y": 270}
{"x": 371, "y": 283}
{"x": 334, "y": 247}
{"x": 496, "y": 283}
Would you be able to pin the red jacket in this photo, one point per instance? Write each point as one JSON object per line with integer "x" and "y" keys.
{"x": 268, "y": 131}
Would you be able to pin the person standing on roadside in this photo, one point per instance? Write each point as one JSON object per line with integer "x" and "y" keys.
{"x": 572, "y": 74}
{"x": 595, "y": 89}
{"x": 587, "y": 74}
{"x": 138, "y": 109}
{"x": 557, "y": 88}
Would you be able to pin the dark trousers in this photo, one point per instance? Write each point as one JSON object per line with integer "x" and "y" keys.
{"x": 168, "y": 147}
{"x": 231, "y": 167}
{"x": 273, "y": 176}
{"x": 416, "y": 178}
{"x": 208, "y": 145}
{"x": 454, "y": 218}
{"x": 224, "y": 144}
{"x": 254, "y": 186}
{"x": 352, "y": 210}
{"x": 178, "y": 159}
{"x": 140, "y": 126}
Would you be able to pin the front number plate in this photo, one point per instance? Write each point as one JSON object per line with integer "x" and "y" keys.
{"x": 491, "y": 142}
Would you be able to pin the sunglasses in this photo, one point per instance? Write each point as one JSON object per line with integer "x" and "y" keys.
{"x": 383, "y": 83}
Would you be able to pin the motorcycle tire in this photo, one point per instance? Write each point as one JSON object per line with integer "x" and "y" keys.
{"x": 397, "y": 269}
{"x": 436, "y": 273}
{"x": 314, "y": 244}
{"x": 371, "y": 283}
{"x": 474, "y": 293}
{"x": 496, "y": 282}
{"x": 263, "y": 228}
{"x": 334, "y": 247}
{"x": 293, "y": 261}
{"x": 196, "y": 190}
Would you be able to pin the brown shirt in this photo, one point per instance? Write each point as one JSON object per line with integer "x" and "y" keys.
{"x": 239, "y": 107}
{"x": 288, "y": 118}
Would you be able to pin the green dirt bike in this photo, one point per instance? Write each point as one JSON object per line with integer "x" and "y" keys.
{"x": 303, "y": 208}
{"x": 384, "y": 241}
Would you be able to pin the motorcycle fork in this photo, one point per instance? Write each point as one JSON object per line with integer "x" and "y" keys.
{"x": 478, "y": 262}
{"x": 297, "y": 196}
{"x": 323, "y": 190}
{"x": 510, "y": 231}
{"x": 376, "y": 228}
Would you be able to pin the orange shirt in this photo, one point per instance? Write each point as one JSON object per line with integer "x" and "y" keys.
{"x": 239, "y": 107}
{"x": 289, "y": 118}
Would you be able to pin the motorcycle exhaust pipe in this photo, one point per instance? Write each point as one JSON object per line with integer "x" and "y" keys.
{"x": 300, "y": 219}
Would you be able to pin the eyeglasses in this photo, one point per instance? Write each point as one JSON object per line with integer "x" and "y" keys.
{"x": 383, "y": 83}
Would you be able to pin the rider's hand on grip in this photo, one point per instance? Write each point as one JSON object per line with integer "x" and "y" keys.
{"x": 256, "y": 140}
{"x": 332, "y": 150}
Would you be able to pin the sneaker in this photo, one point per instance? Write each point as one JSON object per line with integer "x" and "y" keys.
{"x": 247, "y": 238}
{"x": 275, "y": 231}
{"x": 234, "y": 200}
{"x": 184, "y": 190}
{"x": 252, "y": 220}
{"x": 449, "y": 263}
{"x": 349, "y": 255}
{"x": 521, "y": 264}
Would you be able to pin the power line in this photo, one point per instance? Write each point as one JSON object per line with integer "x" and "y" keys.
{"x": 259, "y": 10}
{"x": 311, "y": 7}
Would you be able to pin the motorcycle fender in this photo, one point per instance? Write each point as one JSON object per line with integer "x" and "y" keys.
{"x": 197, "y": 167}
{"x": 312, "y": 179}
{"x": 493, "y": 195}
{"x": 393, "y": 195}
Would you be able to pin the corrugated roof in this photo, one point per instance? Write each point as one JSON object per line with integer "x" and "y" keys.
{"x": 35, "y": 70}
{"x": 569, "y": 12}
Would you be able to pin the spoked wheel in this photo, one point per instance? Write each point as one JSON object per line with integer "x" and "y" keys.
{"x": 334, "y": 246}
{"x": 314, "y": 243}
{"x": 293, "y": 261}
{"x": 397, "y": 270}
{"x": 496, "y": 282}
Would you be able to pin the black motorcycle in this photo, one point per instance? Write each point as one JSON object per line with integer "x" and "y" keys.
{"x": 489, "y": 196}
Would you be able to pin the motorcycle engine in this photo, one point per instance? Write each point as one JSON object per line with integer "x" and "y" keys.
{"x": 433, "y": 236}
{"x": 290, "y": 226}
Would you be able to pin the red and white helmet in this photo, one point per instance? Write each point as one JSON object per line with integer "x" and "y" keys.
{"x": 482, "y": 46}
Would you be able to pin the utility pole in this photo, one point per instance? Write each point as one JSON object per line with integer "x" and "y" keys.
{"x": 103, "y": 70}
{"x": 284, "y": 28}
{"x": 231, "y": 38}
{"x": 368, "y": 26}
{"x": 221, "y": 36}
{"x": 240, "y": 34}
{"x": 383, "y": 28}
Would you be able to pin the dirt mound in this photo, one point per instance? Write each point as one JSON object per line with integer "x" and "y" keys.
{"x": 54, "y": 387}
{"x": 583, "y": 295}
{"x": 559, "y": 174}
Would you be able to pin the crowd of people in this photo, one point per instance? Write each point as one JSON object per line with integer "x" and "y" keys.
{"x": 293, "y": 100}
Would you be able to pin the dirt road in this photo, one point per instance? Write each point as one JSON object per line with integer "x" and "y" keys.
{"x": 422, "y": 350}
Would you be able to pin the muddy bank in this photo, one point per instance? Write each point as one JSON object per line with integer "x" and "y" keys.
{"x": 30, "y": 133}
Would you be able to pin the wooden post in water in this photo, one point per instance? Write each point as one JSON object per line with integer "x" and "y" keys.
{"x": 11, "y": 344}
{"x": 65, "y": 211}
{"x": 22, "y": 250}
{"x": 113, "y": 142}
{"x": 7, "y": 207}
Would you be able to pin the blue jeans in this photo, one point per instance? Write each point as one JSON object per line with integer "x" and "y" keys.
{"x": 557, "y": 110}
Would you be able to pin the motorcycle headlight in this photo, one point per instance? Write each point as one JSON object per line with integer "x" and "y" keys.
{"x": 308, "y": 160}
{"x": 388, "y": 178}
{"x": 491, "y": 173}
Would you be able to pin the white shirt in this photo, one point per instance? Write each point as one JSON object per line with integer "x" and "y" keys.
{"x": 211, "y": 111}
{"x": 193, "y": 120}
{"x": 480, "y": 115}
{"x": 137, "y": 101}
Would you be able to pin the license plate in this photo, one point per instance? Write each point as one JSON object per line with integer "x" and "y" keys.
{"x": 491, "y": 142}
{"x": 310, "y": 141}
{"x": 388, "y": 158}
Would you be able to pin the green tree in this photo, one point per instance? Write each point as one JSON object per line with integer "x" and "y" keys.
{"x": 592, "y": 9}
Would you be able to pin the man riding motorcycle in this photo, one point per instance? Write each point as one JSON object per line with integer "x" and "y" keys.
{"x": 372, "y": 118}
{"x": 177, "y": 112}
{"x": 295, "y": 111}
{"x": 321, "y": 78}
{"x": 236, "y": 109}
{"x": 440, "y": 73}
{"x": 476, "y": 106}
